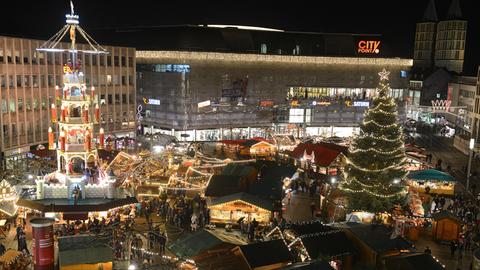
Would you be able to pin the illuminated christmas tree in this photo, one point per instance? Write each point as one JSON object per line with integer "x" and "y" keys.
{"x": 375, "y": 164}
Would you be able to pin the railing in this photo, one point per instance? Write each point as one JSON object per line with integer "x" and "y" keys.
{"x": 73, "y": 147}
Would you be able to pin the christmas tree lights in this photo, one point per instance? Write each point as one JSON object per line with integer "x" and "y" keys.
{"x": 377, "y": 156}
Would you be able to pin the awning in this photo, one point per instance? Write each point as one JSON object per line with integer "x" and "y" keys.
{"x": 430, "y": 174}
{"x": 67, "y": 206}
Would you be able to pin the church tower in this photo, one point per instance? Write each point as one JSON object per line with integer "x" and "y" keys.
{"x": 450, "y": 39}
{"x": 425, "y": 35}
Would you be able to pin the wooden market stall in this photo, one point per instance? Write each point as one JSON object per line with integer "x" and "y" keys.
{"x": 230, "y": 208}
{"x": 446, "y": 226}
{"x": 433, "y": 181}
{"x": 262, "y": 149}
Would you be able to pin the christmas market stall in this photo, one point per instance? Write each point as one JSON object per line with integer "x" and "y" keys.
{"x": 12, "y": 260}
{"x": 374, "y": 242}
{"x": 231, "y": 208}
{"x": 413, "y": 261}
{"x": 446, "y": 226}
{"x": 261, "y": 149}
{"x": 432, "y": 181}
{"x": 266, "y": 255}
{"x": 285, "y": 142}
{"x": 8, "y": 199}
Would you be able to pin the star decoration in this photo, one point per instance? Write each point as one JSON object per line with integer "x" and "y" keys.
{"x": 384, "y": 74}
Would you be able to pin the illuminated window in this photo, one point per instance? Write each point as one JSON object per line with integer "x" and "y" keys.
{"x": 263, "y": 48}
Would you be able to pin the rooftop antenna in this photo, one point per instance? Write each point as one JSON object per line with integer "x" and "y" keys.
{"x": 72, "y": 26}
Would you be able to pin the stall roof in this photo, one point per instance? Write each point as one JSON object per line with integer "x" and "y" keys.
{"x": 83, "y": 249}
{"x": 309, "y": 227}
{"x": 266, "y": 253}
{"x": 222, "y": 185}
{"x": 445, "y": 214}
{"x": 377, "y": 237}
{"x": 192, "y": 245}
{"x": 238, "y": 170}
{"x": 328, "y": 244}
{"x": 245, "y": 197}
{"x": 430, "y": 174}
{"x": 324, "y": 155}
{"x": 83, "y": 205}
{"x": 412, "y": 261}
{"x": 311, "y": 265}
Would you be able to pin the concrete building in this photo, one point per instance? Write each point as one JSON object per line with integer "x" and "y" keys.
{"x": 225, "y": 82}
{"x": 28, "y": 80}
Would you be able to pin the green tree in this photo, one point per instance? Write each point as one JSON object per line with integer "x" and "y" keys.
{"x": 375, "y": 164}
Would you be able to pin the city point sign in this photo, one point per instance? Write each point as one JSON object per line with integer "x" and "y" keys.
{"x": 369, "y": 46}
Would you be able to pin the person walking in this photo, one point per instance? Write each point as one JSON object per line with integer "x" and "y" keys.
{"x": 289, "y": 197}
{"x": 312, "y": 208}
{"x": 453, "y": 247}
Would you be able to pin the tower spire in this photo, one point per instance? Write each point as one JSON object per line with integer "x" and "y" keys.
{"x": 71, "y": 8}
{"x": 430, "y": 14}
{"x": 454, "y": 11}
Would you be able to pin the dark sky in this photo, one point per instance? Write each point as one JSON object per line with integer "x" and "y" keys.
{"x": 395, "y": 20}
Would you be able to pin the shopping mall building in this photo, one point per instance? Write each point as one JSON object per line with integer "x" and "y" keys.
{"x": 27, "y": 90}
{"x": 208, "y": 83}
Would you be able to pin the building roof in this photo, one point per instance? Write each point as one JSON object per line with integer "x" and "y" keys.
{"x": 83, "y": 249}
{"x": 83, "y": 205}
{"x": 377, "y": 237}
{"x": 222, "y": 185}
{"x": 445, "y": 214}
{"x": 412, "y": 261}
{"x": 430, "y": 14}
{"x": 236, "y": 40}
{"x": 430, "y": 174}
{"x": 324, "y": 155}
{"x": 194, "y": 244}
{"x": 310, "y": 265}
{"x": 266, "y": 253}
{"x": 454, "y": 11}
{"x": 245, "y": 197}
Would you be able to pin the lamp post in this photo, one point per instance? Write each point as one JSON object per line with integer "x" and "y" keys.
{"x": 470, "y": 146}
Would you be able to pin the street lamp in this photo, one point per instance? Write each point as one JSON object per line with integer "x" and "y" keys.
{"x": 333, "y": 180}
{"x": 470, "y": 146}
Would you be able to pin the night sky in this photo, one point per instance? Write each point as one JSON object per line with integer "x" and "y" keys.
{"x": 395, "y": 20}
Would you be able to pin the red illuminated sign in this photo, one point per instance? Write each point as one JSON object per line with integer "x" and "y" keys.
{"x": 368, "y": 46}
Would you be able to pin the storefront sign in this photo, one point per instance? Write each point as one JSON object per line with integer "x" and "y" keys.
{"x": 361, "y": 103}
{"x": 266, "y": 103}
{"x": 17, "y": 151}
{"x": 151, "y": 101}
{"x": 321, "y": 103}
{"x": 368, "y": 46}
{"x": 67, "y": 69}
{"x": 204, "y": 104}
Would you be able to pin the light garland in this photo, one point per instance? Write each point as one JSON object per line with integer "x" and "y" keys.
{"x": 379, "y": 125}
{"x": 396, "y": 194}
{"x": 376, "y": 151}
{"x": 383, "y": 138}
{"x": 378, "y": 170}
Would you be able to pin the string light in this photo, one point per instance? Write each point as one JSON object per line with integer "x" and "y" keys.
{"x": 395, "y": 166}
{"x": 400, "y": 193}
{"x": 376, "y": 151}
{"x": 379, "y": 125}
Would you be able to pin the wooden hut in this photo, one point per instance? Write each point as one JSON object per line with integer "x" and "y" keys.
{"x": 265, "y": 255}
{"x": 261, "y": 149}
{"x": 230, "y": 208}
{"x": 446, "y": 226}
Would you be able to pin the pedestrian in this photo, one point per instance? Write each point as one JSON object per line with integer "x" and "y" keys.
{"x": 312, "y": 208}
{"x": 2, "y": 249}
{"x": 289, "y": 196}
{"x": 453, "y": 247}
{"x": 427, "y": 250}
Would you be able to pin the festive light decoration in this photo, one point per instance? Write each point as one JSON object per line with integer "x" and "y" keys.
{"x": 377, "y": 156}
